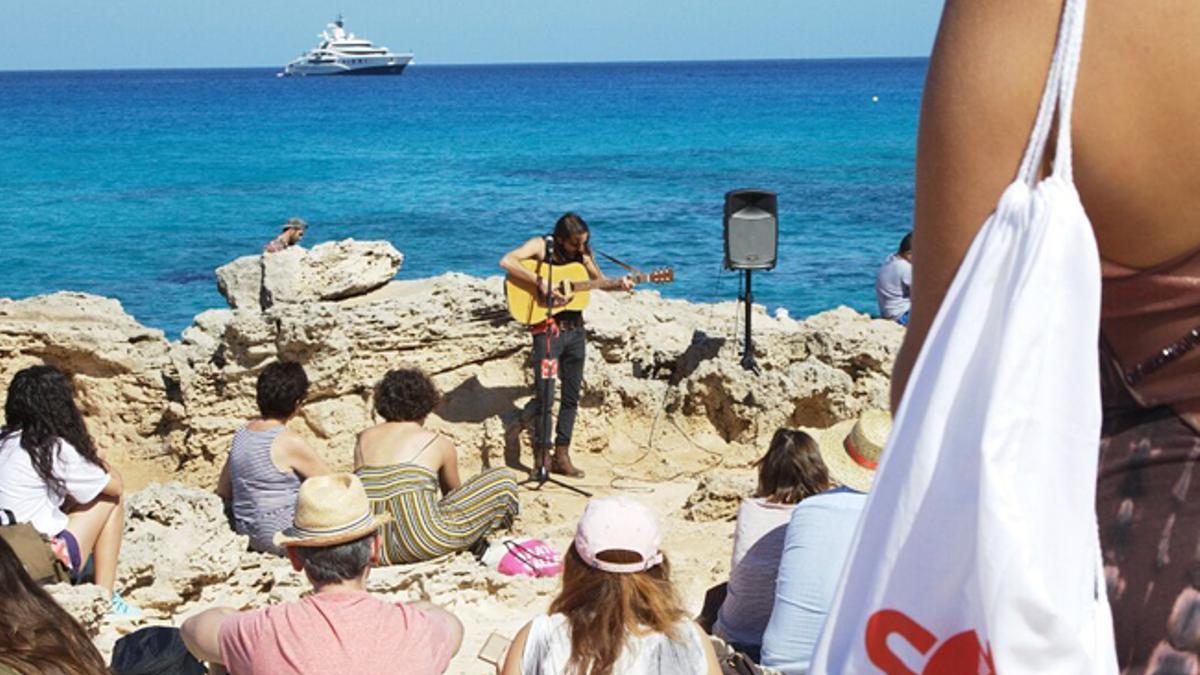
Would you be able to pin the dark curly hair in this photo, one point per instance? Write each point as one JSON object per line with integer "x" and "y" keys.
{"x": 38, "y": 635}
{"x": 406, "y": 395}
{"x": 41, "y": 407}
{"x": 281, "y": 389}
{"x": 792, "y": 469}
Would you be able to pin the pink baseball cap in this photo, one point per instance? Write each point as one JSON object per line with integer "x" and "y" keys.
{"x": 618, "y": 523}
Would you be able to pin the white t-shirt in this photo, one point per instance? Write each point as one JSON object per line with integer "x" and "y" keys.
{"x": 893, "y": 286}
{"x": 27, "y": 495}
{"x": 757, "y": 546}
{"x": 548, "y": 649}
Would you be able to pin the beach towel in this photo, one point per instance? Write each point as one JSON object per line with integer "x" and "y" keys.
{"x": 978, "y": 551}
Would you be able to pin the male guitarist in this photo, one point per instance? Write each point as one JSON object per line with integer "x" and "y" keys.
{"x": 567, "y": 340}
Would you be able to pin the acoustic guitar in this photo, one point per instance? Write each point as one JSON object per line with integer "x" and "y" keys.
{"x": 570, "y": 280}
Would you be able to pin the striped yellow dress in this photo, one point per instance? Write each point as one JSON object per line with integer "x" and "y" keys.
{"x": 425, "y": 525}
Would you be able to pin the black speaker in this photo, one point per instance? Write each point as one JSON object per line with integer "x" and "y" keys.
{"x": 751, "y": 230}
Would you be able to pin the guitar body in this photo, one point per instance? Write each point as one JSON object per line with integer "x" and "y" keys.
{"x": 523, "y": 301}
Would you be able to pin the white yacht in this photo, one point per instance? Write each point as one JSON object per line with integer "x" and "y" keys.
{"x": 341, "y": 53}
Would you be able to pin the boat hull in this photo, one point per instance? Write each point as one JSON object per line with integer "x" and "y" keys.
{"x": 305, "y": 70}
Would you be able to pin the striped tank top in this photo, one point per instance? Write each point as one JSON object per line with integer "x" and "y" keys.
{"x": 264, "y": 498}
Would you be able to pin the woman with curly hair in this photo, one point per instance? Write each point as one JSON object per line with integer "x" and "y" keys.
{"x": 617, "y": 611}
{"x": 411, "y": 473}
{"x": 53, "y": 477}
{"x": 37, "y": 636}
{"x": 261, "y": 477}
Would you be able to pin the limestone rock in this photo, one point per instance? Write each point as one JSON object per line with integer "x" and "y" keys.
{"x": 718, "y": 495}
{"x": 240, "y": 282}
{"x": 88, "y": 603}
{"x": 126, "y": 384}
{"x": 667, "y": 368}
{"x": 177, "y": 541}
{"x": 333, "y": 270}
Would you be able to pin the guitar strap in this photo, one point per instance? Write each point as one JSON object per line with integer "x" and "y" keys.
{"x": 629, "y": 268}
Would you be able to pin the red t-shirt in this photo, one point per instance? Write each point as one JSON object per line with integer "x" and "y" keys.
{"x": 342, "y": 632}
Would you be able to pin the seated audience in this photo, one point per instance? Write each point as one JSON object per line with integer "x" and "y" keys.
{"x": 403, "y": 466}
{"x": 53, "y": 477}
{"x": 617, "y": 612}
{"x": 266, "y": 463}
{"x": 818, "y": 540}
{"x": 340, "y": 627}
{"x": 791, "y": 471}
{"x": 893, "y": 283}
{"x": 36, "y": 635}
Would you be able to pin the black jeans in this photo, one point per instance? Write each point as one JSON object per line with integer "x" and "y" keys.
{"x": 570, "y": 348}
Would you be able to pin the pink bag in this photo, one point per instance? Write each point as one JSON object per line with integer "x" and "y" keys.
{"x": 524, "y": 557}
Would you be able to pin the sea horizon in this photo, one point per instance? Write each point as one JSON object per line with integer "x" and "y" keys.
{"x": 506, "y": 64}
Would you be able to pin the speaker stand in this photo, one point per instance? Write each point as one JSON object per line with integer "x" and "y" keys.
{"x": 748, "y": 361}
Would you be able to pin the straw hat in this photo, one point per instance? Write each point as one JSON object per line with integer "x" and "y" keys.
{"x": 295, "y": 224}
{"x": 331, "y": 510}
{"x": 851, "y": 449}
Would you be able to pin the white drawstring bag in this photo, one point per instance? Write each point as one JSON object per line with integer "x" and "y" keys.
{"x": 978, "y": 551}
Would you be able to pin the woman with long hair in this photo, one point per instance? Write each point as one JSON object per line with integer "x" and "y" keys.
{"x": 37, "y": 636}
{"x": 53, "y": 477}
{"x": 267, "y": 461}
{"x": 789, "y": 472}
{"x": 617, "y": 612}
{"x": 411, "y": 473}
{"x": 562, "y": 338}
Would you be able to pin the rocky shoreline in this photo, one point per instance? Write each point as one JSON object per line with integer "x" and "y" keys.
{"x": 668, "y": 414}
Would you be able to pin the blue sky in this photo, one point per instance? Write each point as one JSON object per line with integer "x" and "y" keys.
{"x": 66, "y": 34}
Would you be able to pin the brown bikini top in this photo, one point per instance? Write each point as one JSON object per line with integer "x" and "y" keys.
{"x": 1150, "y": 319}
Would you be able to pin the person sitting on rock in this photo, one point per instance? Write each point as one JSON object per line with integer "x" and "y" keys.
{"x": 617, "y": 611}
{"x": 266, "y": 462}
{"x": 403, "y": 465}
{"x": 792, "y": 470}
{"x": 893, "y": 283}
{"x": 818, "y": 541}
{"x": 340, "y": 627}
{"x": 293, "y": 232}
{"x": 53, "y": 476}
{"x": 36, "y": 634}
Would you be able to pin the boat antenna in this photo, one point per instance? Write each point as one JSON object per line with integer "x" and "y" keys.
{"x": 339, "y": 20}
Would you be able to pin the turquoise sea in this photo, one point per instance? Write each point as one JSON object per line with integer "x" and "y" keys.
{"x": 137, "y": 184}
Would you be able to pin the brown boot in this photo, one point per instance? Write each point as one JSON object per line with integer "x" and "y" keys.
{"x": 561, "y": 463}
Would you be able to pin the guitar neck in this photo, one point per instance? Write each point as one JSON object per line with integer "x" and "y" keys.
{"x": 606, "y": 284}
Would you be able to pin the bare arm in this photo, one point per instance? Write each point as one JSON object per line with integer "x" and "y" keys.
{"x": 358, "y": 457}
{"x": 456, "y": 627}
{"x": 710, "y": 654}
{"x": 593, "y": 270}
{"x": 516, "y": 651}
{"x": 534, "y": 249}
{"x": 985, "y": 79}
{"x": 448, "y": 471}
{"x": 116, "y": 484}
{"x": 303, "y": 459}
{"x": 225, "y": 482}
{"x": 201, "y": 633}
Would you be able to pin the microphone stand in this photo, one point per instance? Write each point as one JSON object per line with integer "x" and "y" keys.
{"x": 540, "y": 475}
